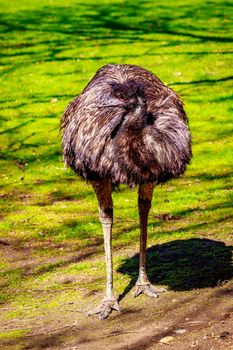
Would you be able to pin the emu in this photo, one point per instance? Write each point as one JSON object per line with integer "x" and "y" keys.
{"x": 126, "y": 127}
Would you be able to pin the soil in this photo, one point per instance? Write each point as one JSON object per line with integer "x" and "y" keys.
{"x": 200, "y": 319}
{"x": 196, "y": 318}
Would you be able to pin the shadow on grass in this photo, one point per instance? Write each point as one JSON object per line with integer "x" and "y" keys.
{"x": 64, "y": 27}
{"x": 210, "y": 176}
{"x": 183, "y": 264}
{"x": 204, "y": 81}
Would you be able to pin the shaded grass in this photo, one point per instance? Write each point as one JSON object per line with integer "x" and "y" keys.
{"x": 184, "y": 264}
{"x": 49, "y": 224}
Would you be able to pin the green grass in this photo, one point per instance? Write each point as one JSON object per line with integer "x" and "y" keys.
{"x": 49, "y": 222}
{"x": 12, "y": 334}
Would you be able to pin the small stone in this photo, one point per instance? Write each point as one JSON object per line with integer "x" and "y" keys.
{"x": 193, "y": 344}
{"x": 180, "y": 331}
{"x": 171, "y": 189}
{"x": 224, "y": 334}
{"x": 167, "y": 339}
{"x": 39, "y": 181}
{"x": 54, "y": 100}
{"x": 65, "y": 280}
{"x": 166, "y": 217}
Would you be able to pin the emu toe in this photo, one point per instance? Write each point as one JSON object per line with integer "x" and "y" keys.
{"x": 148, "y": 289}
{"x": 105, "y": 308}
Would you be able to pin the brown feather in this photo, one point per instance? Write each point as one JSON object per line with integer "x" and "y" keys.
{"x": 126, "y": 125}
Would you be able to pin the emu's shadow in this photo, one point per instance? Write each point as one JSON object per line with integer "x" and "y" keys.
{"x": 183, "y": 264}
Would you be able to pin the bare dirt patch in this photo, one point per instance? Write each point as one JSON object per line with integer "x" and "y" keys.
{"x": 178, "y": 320}
{"x": 196, "y": 312}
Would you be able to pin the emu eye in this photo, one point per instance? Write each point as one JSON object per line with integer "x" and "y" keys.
{"x": 150, "y": 118}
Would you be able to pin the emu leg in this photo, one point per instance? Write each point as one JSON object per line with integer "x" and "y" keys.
{"x": 103, "y": 190}
{"x": 143, "y": 284}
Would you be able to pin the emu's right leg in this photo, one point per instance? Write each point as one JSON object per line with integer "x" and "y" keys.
{"x": 103, "y": 190}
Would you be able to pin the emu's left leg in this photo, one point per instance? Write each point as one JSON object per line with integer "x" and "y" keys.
{"x": 143, "y": 285}
{"x": 103, "y": 190}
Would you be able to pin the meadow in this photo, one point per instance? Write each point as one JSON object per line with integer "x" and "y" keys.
{"x": 52, "y": 262}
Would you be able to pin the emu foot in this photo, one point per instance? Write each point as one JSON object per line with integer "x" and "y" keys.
{"x": 148, "y": 289}
{"x": 105, "y": 308}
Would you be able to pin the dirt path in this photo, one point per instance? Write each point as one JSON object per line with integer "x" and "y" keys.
{"x": 198, "y": 319}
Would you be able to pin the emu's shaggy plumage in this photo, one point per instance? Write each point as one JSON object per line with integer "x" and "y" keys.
{"x": 127, "y": 125}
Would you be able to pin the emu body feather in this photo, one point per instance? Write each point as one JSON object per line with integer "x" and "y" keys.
{"x": 127, "y": 125}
